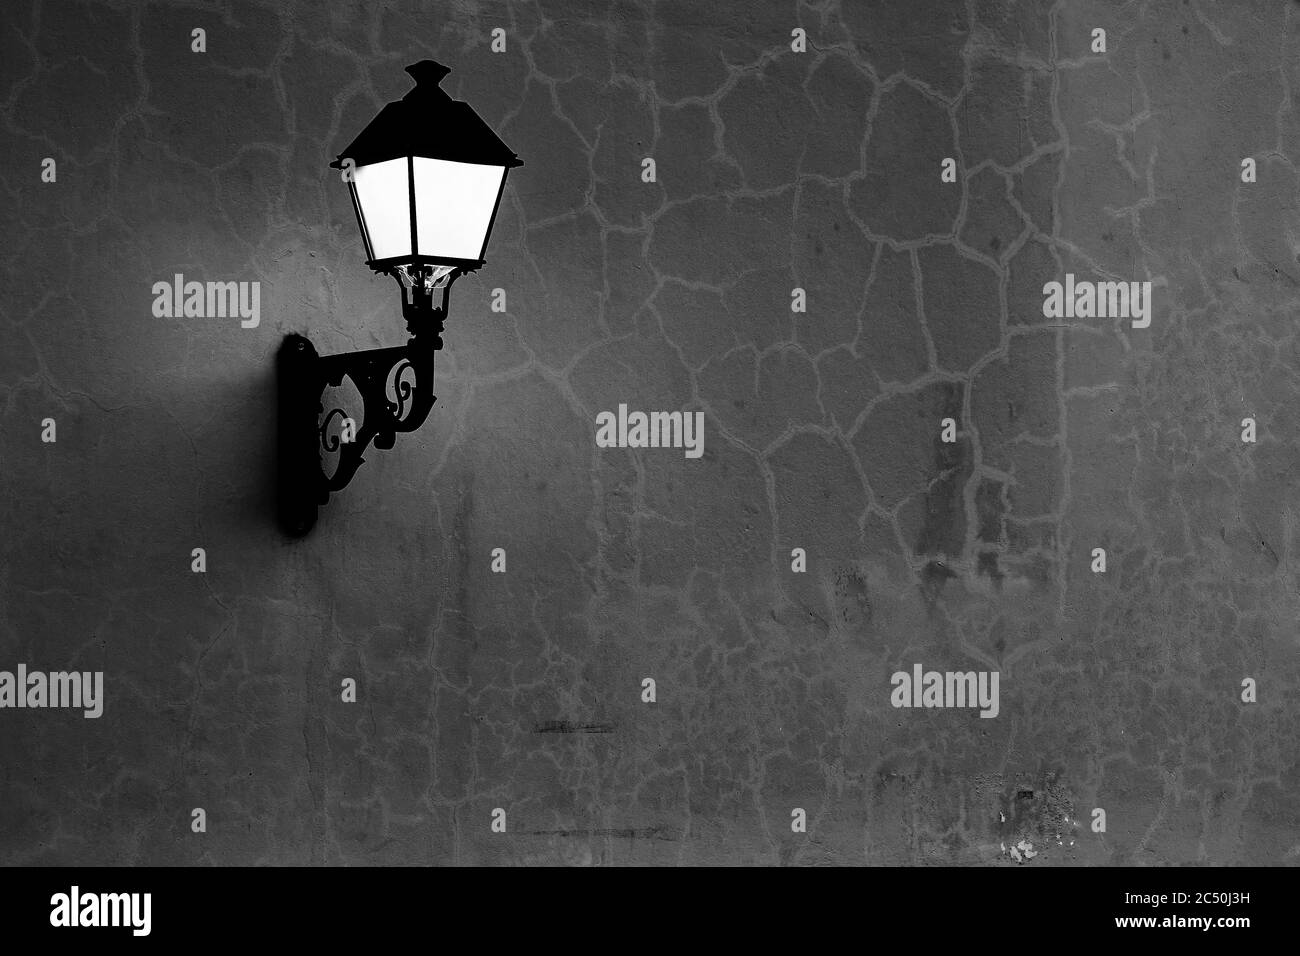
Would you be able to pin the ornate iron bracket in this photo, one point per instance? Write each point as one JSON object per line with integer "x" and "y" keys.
{"x": 396, "y": 388}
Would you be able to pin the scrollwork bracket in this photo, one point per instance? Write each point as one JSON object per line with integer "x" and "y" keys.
{"x": 396, "y": 389}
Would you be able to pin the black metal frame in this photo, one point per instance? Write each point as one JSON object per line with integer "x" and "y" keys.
{"x": 303, "y": 375}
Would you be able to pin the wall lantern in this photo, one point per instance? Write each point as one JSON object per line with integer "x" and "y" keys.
{"x": 426, "y": 177}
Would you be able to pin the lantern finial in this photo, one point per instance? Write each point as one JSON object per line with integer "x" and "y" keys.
{"x": 428, "y": 71}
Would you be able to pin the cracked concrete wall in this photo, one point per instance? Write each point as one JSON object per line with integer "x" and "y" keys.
{"x": 775, "y": 170}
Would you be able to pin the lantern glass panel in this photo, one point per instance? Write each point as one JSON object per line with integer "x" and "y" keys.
{"x": 385, "y": 200}
{"x": 455, "y": 203}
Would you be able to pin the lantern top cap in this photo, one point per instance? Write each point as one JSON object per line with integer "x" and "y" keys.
{"x": 428, "y": 122}
{"x": 428, "y": 71}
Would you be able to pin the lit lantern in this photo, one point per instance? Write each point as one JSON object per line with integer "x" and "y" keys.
{"x": 426, "y": 177}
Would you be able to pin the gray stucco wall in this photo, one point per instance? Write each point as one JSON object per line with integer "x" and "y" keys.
{"x": 523, "y": 691}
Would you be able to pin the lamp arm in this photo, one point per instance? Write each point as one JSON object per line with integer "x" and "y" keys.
{"x": 396, "y": 387}
{"x": 405, "y": 373}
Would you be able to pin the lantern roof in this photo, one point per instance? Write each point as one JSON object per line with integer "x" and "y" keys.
{"x": 428, "y": 122}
